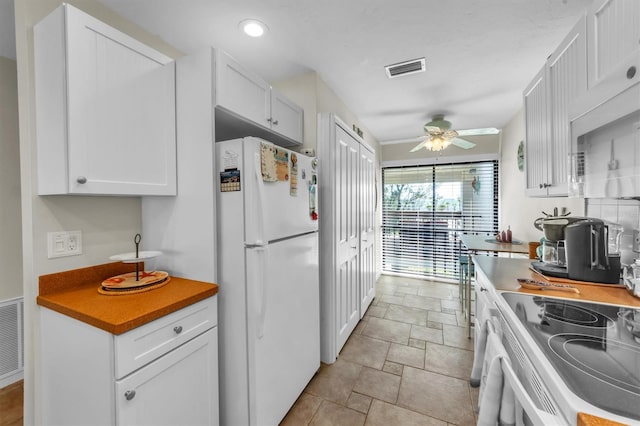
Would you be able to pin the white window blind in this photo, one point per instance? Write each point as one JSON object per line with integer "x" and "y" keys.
{"x": 425, "y": 210}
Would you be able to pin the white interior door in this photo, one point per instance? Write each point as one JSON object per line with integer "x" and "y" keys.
{"x": 347, "y": 303}
{"x": 367, "y": 231}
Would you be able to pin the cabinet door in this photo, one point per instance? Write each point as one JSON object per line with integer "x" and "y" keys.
{"x": 121, "y": 112}
{"x": 567, "y": 78}
{"x": 181, "y": 387}
{"x": 536, "y": 135}
{"x": 614, "y": 35}
{"x": 286, "y": 117}
{"x": 242, "y": 92}
{"x": 367, "y": 228}
{"x": 346, "y": 237}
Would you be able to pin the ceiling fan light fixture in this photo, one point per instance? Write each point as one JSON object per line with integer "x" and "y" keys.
{"x": 437, "y": 143}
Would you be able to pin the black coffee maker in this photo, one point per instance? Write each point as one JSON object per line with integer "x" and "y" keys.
{"x": 587, "y": 252}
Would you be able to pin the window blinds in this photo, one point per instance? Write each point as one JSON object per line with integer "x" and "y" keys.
{"x": 425, "y": 210}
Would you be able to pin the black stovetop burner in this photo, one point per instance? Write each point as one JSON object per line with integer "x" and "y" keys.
{"x": 594, "y": 348}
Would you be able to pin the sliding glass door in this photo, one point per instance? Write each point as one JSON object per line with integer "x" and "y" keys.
{"x": 426, "y": 208}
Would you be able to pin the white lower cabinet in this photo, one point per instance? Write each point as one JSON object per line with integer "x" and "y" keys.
{"x": 162, "y": 373}
{"x": 165, "y": 392}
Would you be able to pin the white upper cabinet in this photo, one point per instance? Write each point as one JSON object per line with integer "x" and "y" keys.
{"x": 613, "y": 28}
{"x": 240, "y": 91}
{"x": 105, "y": 110}
{"x": 249, "y": 98}
{"x": 546, "y": 103}
{"x": 287, "y": 117}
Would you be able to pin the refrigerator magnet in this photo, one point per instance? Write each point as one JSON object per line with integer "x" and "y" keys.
{"x": 293, "y": 181}
{"x": 230, "y": 180}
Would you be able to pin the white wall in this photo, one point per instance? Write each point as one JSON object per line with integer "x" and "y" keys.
{"x": 516, "y": 209}
{"x": 10, "y": 222}
{"x": 108, "y": 224}
{"x": 311, "y": 93}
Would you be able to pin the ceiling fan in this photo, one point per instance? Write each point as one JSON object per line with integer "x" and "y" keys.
{"x": 440, "y": 135}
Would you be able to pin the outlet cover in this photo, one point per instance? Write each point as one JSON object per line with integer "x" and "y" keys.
{"x": 64, "y": 243}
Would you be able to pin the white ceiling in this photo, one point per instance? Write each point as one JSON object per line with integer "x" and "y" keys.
{"x": 480, "y": 54}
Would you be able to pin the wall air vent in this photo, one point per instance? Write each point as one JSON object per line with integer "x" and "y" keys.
{"x": 405, "y": 68}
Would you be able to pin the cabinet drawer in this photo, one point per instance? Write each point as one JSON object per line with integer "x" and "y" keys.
{"x": 142, "y": 345}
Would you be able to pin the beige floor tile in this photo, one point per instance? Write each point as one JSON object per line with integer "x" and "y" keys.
{"x": 364, "y": 350}
{"x": 406, "y": 314}
{"x": 457, "y": 337}
{"x": 401, "y": 290}
{"x": 441, "y": 291}
{"x": 427, "y": 333}
{"x": 336, "y": 381}
{"x": 393, "y": 368}
{"x": 475, "y": 393}
{"x": 359, "y": 402}
{"x": 332, "y": 414}
{"x": 448, "y": 360}
{"x": 395, "y": 300}
{"x": 423, "y": 302}
{"x": 406, "y": 355}
{"x": 378, "y": 384}
{"x": 376, "y": 311}
{"x": 417, "y": 343}
{"x": 360, "y": 326}
{"x": 302, "y": 411}
{"x": 451, "y": 304}
{"x": 391, "y": 331}
{"x": 384, "y": 414}
{"x": 385, "y": 288}
{"x": 443, "y": 318}
{"x": 442, "y": 397}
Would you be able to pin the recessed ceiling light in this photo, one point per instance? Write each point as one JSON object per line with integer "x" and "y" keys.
{"x": 253, "y": 27}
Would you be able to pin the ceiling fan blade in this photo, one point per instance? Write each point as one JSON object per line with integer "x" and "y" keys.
{"x": 420, "y": 145}
{"x": 484, "y": 131}
{"x": 462, "y": 143}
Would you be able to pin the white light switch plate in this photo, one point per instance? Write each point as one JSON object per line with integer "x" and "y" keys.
{"x": 64, "y": 243}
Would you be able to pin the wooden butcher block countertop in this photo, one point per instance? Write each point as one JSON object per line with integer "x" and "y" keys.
{"x": 503, "y": 273}
{"x": 75, "y": 294}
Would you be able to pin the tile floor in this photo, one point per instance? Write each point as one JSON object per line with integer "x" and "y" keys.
{"x": 407, "y": 363}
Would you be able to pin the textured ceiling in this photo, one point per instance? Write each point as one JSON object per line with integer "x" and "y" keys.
{"x": 480, "y": 54}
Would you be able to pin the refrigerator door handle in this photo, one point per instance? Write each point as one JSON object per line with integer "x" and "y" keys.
{"x": 260, "y": 185}
{"x": 260, "y": 279}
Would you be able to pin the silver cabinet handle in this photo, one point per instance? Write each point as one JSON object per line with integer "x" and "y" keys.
{"x": 177, "y": 329}
{"x": 275, "y": 122}
{"x": 129, "y": 395}
{"x": 81, "y": 180}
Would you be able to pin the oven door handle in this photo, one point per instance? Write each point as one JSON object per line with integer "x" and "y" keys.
{"x": 538, "y": 416}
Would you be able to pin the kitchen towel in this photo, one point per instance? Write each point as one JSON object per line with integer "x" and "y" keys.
{"x": 497, "y": 400}
{"x": 478, "y": 356}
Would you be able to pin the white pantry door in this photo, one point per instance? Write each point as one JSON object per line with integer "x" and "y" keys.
{"x": 347, "y": 303}
{"x": 367, "y": 230}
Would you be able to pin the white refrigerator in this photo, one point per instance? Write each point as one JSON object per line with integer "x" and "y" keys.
{"x": 268, "y": 276}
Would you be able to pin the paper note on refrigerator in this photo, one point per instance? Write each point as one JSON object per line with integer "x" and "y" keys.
{"x": 282, "y": 164}
{"x": 268, "y": 162}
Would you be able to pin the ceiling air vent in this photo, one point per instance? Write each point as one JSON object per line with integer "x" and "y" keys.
{"x": 405, "y": 68}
